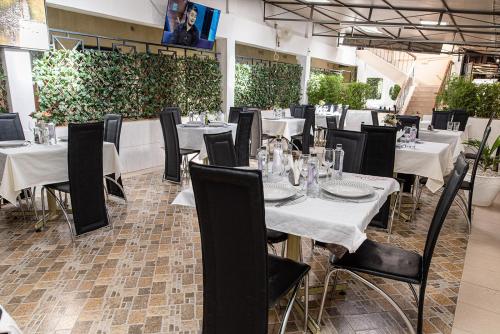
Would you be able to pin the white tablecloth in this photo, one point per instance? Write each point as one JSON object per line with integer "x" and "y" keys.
{"x": 341, "y": 223}
{"x": 321, "y": 118}
{"x": 424, "y": 124}
{"x": 192, "y": 137}
{"x": 36, "y": 165}
{"x": 454, "y": 138}
{"x": 431, "y": 160}
{"x": 285, "y": 127}
{"x": 354, "y": 119}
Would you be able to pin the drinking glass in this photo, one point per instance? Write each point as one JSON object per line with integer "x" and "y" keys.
{"x": 406, "y": 136}
{"x": 304, "y": 170}
{"x": 456, "y": 126}
{"x": 449, "y": 126}
{"x": 329, "y": 159}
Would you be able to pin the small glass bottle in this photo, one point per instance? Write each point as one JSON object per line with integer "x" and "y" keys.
{"x": 339, "y": 162}
{"x": 413, "y": 136}
{"x": 277, "y": 167}
{"x": 312, "y": 177}
{"x": 262, "y": 158}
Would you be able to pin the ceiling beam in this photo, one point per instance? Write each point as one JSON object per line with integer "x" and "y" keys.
{"x": 402, "y": 16}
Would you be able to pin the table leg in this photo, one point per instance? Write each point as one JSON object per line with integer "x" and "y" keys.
{"x": 52, "y": 212}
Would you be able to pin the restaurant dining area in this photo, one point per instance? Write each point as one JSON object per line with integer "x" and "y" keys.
{"x": 249, "y": 166}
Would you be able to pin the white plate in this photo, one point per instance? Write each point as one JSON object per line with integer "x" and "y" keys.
{"x": 278, "y": 191}
{"x": 12, "y": 143}
{"x": 347, "y": 189}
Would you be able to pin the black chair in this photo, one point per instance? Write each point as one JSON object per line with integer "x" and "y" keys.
{"x": 331, "y": 123}
{"x": 174, "y": 155}
{"x": 234, "y": 114}
{"x": 390, "y": 262}
{"x": 298, "y": 111}
{"x": 177, "y": 114}
{"x": 440, "y": 119}
{"x": 465, "y": 205}
{"x": 353, "y": 143}
{"x": 240, "y": 280}
{"x": 112, "y": 133}
{"x": 220, "y": 149}
{"x": 343, "y": 116}
{"x": 306, "y": 140}
{"x": 10, "y": 127}
{"x": 379, "y": 160}
{"x": 243, "y": 134}
{"x": 375, "y": 117}
{"x": 462, "y": 116}
{"x": 256, "y": 133}
{"x": 408, "y": 120}
{"x": 85, "y": 184}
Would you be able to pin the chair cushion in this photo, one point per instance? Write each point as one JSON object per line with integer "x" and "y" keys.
{"x": 274, "y": 237}
{"x": 283, "y": 275}
{"x": 62, "y": 186}
{"x": 384, "y": 261}
{"x": 185, "y": 151}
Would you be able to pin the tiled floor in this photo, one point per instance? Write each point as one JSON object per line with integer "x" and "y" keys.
{"x": 145, "y": 274}
{"x": 478, "y": 308}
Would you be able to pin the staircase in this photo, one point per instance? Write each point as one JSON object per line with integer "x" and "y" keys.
{"x": 422, "y": 100}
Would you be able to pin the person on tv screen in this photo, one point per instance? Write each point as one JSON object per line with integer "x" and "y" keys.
{"x": 186, "y": 33}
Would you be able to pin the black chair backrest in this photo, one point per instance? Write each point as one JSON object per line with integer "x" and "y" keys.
{"x": 353, "y": 144}
{"x": 380, "y": 150}
{"x": 479, "y": 155}
{"x": 177, "y": 114}
{"x": 220, "y": 149}
{"x": 298, "y": 112}
{"x": 407, "y": 120}
{"x": 307, "y": 137}
{"x": 374, "y": 117}
{"x": 113, "y": 129}
{"x": 462, "y": 116}
{"x": 85, "y": 173}
{"x": 343, "y": 116}
{"x": 256, "y": 133}
{"x": 445, "y": 201}
{"x": 234, "y": 114}
{"x": 10, "y": 127}
{"x": 440, "y": 119}
{"x": 331, "y": 122}
{"x": 235, "y": 282}
{"x": 242, "y": 142}
{"x": 172, "y": 150}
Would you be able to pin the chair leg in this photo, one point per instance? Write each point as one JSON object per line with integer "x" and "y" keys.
{"x": 414, "y": 293}
{"x": 33, "y": 202}
{"x": 42, "y": 197}
{"x": 306, "y": 301}
{"x": 417, "y": 199}
{"x": 289, "y": 309}
{"x": 283, "y": 248}
{"x": 386, "y": 296}
{"x": 273, "y": 249}
{"x": 118, "y": 185}
{"x": 465, "y": 213}
{"x": 331, "y": 271}
{"x": 61, "y": 205}
{"x": 391, "y": 219}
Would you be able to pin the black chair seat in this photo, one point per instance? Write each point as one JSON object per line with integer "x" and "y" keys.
{"x": 275, "y": 237}
{"x": 61, "y": 186}
{"x": 471, "y": 156}
{"x": 283, "y": 274}
{"x": 186, "y": 151}
{"x": 384, "y": 261}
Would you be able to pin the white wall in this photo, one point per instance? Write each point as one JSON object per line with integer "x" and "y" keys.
{"x": 366, "y": 71}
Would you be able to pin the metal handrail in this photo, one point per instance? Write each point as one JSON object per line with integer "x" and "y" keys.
{"x": 402, "y": 60}
{"x": 444, "y": 82}
{"x": 405, "y": 91}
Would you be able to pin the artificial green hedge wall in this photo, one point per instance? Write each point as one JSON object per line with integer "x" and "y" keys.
{"x": 267, "y": 85}
{"x": 3, "y": 90}
{"x": 75, "y": 86}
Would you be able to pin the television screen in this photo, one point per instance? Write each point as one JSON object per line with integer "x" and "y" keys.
{"x": 190, "y": 24}
{"x": 23, "y": 24}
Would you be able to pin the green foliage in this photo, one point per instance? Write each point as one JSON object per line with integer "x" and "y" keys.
{"x": 374, "y": 88}
{"x": 355, "y": 94}
{"x": 460, "y": 93}
{"x": 489, "y": 159}
{"x": 75, "y": 86}
{"x": 394, "y": 91}
{"x": 267, "y": 86}
{"x": 332, "y": 90}
{"x": 489, "y": 100}
{"x": 3, "y": 90}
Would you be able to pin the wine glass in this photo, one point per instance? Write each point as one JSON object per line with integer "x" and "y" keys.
{"x": 329, "y": 159}
{"x": 304, "y": 169}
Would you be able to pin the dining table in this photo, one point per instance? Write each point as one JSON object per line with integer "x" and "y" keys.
{"x": 454, "y": 138}
{"x": 338, "y": 221}
{"x": 191, "y": 135}
{"x": 353, "y": 120}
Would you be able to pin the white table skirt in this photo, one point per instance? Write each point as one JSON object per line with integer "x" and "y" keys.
{"x": 341, "y": 223}
{"x": 454, "y": 138}
{"x": 285, "y": 127}
{"x": 431, "y": 160}
{"x": 192, "y": 137}
{"x": 37, "y": 165}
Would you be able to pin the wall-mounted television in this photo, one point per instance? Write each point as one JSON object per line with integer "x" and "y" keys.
{"x": 190, "y": 24}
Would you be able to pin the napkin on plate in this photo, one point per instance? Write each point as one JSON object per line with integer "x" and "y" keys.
{"x": 295, "y": 168}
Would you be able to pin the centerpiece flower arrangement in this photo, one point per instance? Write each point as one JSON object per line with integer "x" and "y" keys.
{"x": 390, "y": 119}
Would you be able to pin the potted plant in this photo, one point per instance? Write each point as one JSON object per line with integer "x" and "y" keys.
{"x": 487, "y": 183}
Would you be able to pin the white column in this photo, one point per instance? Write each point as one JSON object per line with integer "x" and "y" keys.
{"x": 21, "y": 97}
{"x": 226, "y": 48}
{"x": 305, "y": 62}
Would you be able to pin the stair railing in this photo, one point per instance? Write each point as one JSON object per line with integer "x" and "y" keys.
{"x": 444, "y": 82}
{"x": 402, "y": 60}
